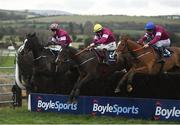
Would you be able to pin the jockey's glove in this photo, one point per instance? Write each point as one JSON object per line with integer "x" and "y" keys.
{"x": 92, "y": 44}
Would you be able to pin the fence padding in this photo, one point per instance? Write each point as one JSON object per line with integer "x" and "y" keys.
{"x": 155, "y": 86}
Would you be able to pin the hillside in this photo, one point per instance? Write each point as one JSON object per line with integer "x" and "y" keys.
{"x": 48, "y": 16}
{"x": 25, "y": 14}
{"x": 104, "y": 18}
{"x": 49, "y": 12}
{"x": 27, "y": 21}
{"x": 15, "y": 15}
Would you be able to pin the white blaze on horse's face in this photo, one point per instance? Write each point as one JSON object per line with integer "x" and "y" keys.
{"x": 119, "y": 43}
{"x": 22, "y": 46}
{"x": 25, "y": 41}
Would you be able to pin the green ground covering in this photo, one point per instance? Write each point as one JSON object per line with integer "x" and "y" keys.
{"x": 22, "y": 115}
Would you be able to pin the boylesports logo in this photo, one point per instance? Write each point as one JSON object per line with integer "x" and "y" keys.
{"x": 115, "y": 108}
{"x": 54, "y": 105}
{"x": 166, "y": 113}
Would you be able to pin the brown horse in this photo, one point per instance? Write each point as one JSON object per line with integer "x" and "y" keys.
{"x": 88, "y": 66}
{"x": 145, "y": 61}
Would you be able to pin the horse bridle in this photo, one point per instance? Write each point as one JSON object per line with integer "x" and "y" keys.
{"x": 128, "y": 50}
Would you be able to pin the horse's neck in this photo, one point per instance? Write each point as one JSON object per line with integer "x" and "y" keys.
{"x": 72, "y": 52}
{"x": 82, "y": 56}
{"x": 133, "y": 45}
{"x": 37, "y": 51}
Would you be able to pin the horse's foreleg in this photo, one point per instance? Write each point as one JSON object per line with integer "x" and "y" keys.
{"x": 122, "y": 81}
{"x": 78, "y": 86}
{"x": 129, "y": 82}
{"x": 76, "y": 89}
{"x": 71, "y": 96}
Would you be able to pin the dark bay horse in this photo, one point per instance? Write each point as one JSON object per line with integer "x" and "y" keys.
{"x": 88, "y": 66}
{"x": 43, "y": 69}
{"x": 145, "y": 61}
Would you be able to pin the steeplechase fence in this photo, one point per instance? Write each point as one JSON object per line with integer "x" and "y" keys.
{"x": 156, "y": 109}
{"x": 10, "y": 93}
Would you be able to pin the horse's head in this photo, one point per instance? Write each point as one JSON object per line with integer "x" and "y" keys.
{"x": 31, "y": 43}
{"x": 127, "y": 45}
{"x": 122, "y": 46}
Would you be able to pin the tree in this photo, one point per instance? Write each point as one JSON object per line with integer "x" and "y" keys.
{"x": 88, "y": 28}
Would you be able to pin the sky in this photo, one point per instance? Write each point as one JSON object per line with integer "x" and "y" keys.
{"x": 99, "y": 7}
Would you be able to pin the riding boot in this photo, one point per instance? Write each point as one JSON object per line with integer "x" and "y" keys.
{"x": 161, "y": 55}
{"x": 167, "y": 53}
{"x": 106, "y": 59}
{"x": 110, "y": 59}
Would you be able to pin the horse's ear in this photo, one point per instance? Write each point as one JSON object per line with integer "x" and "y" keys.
{"x": 34, "y": 34}
{"x": 27, "y": 35}
{"x": 125, "y": 37}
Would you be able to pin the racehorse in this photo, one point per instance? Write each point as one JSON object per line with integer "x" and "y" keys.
{"x": 89, "y": 66}
{"x": 145, "y": 61}
{"x": 43, "y": 64}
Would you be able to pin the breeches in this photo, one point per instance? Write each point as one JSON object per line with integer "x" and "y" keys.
{"x": 110, "y": 46}
{"x": 163, "y": 43}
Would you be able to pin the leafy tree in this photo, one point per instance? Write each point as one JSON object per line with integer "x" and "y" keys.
{"x": 88, "y": 28}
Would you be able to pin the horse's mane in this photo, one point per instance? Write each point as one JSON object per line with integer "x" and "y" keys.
{"x": 127, "y": 38}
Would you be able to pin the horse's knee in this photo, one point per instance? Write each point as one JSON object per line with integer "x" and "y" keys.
{"x": 77, "y": 92}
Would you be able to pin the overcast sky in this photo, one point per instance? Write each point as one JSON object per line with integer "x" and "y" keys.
{"x": 127, "y": 7}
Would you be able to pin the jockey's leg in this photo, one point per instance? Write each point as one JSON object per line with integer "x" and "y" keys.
{"x": 167, "y": 53}
{"x": 162, "y": 44}
{"x": 110, "y": 52}
{"x": 161, "y": 55}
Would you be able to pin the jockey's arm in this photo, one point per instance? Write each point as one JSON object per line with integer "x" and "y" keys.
{"x": 63, "y": 41}
{"x": 103, "y": 39}
{"x": 142, "y": 39}
{"x": 156, "y": 38}
{"x": 53, "y": 40}
{"x": 95, "y": 39}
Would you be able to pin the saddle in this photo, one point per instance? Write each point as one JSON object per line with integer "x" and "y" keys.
{"x": 54, "y": 49}
{"x": 104, "y": 56}
{"x": 100, "y": 54}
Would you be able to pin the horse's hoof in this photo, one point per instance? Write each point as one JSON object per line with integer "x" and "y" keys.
{"x": 129, "y": 88}
{"x": 74, "y": 101}
{"x": 69, "y": 102}
{"x": 117, "y": 90}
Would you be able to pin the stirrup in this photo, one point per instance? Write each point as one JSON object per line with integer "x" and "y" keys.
{"x": 161, "y": 61}
{"x": 167, "y": 55}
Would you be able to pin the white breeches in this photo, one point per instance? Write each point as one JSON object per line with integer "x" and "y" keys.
{"x": 109, "y": 46}
{"x": 163, "y": 43}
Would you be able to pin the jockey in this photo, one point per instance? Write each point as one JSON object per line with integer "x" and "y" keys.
{"x": 157, "y": 37}
{"x": 60, "y": 37}
{"x": 104, "y": 39}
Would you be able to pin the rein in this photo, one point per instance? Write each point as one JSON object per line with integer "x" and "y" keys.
{"x": 138, "y": 49}
{"x": 39, "y": 58}
{"x": 85, "y": 49}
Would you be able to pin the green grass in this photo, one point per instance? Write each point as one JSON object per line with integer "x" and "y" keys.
{"x": 22, "y": 115}
{"x": 7, "y": 61}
